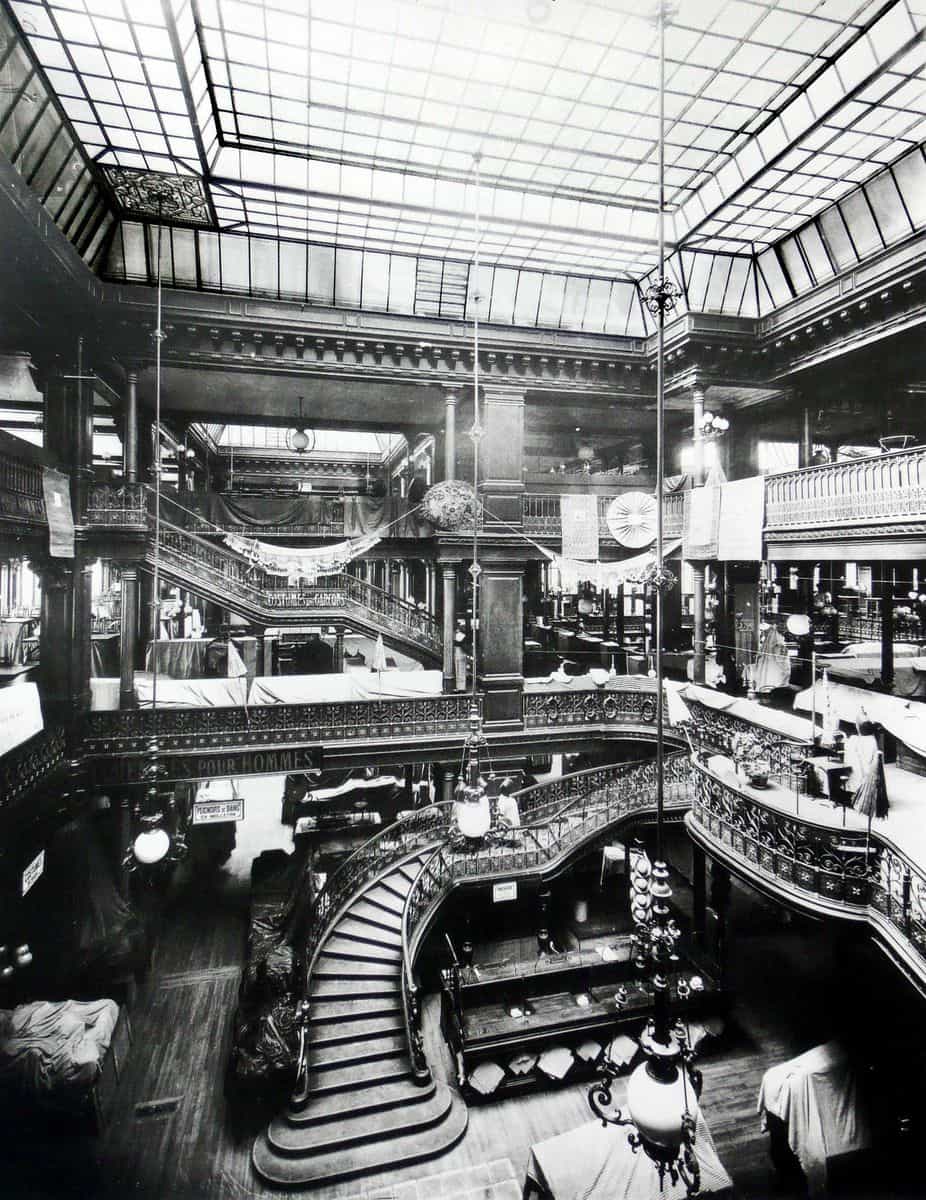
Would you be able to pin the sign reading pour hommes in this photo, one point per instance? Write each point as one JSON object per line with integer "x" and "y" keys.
{"x": 33, "y": 873}
{"x": 212, "y": 812}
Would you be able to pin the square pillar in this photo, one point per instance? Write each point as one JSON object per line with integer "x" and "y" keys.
{"x": 501, "y": 643}
{"x": 501, "y": 452}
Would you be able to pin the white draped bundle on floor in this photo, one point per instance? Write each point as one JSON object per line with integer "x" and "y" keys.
{"x": 301, "y": 563}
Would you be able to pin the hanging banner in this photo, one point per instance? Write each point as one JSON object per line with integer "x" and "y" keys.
{"x": 702, "y": 523}
{"x": 742, "y": 514}
{"x": 57, "y": 488}
{"x": 579, "y": 519}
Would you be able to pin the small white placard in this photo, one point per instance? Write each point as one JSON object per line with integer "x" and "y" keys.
{"x": 218, "y": 810}
{"x": 504, "y": 891}
{"x": 34, "y": 872}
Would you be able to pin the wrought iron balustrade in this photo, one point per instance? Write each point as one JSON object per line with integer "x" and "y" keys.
{"x": 555, "y": 818}
{"x": 29, "y": 765}
{"x": 124, "y": 507}
{"x": 185, "y": 730}
{"x": 875, "y": 490}
{"x": 229, "y": 575}
{"x": 632, "y": 703}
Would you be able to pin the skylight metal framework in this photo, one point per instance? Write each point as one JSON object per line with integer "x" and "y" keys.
{"x": 346, "y": 129}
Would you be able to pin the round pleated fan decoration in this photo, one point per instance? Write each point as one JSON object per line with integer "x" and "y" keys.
{"x": 632, "y": 519}
{"x": 449, "y": 505}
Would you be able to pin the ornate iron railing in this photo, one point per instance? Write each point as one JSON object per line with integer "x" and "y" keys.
{"x": 411, "y": 833}
{"x": 540, "y": 514}
{"x": 879, "y": 489}
{"x": 633, "y": 703}
{"x": 716, "y": 729}
{"x": 862, "y": 872}
{"x": 124, "y": 507}
{"x": 556, "y": 817}
{"x": 28, "y": 766}
{"x": 180, "y": 730}
{"x": 207, "y": 565}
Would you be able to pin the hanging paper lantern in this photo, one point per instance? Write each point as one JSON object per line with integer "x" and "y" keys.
{"x": 632, "y": 519}
{"x": 449, "y": 505}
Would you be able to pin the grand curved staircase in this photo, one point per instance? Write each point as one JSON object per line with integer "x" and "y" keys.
{"x": 220, "y": 575}
{"x": 363, "y": 1104}
{"x": 366, "y": 1098}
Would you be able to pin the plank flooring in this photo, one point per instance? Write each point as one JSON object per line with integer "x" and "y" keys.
{"x": 785, "y": 980}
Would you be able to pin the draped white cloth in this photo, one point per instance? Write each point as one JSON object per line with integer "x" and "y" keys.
{"x": 358, "y": 685}
{"x": 191, "y": 693}
{"x": 609, "y": 575}
{"x": 301, "y": 563}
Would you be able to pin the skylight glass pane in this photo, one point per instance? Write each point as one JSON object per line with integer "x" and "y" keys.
{"x": 910, "y": 174}
{"x": 774, "y": 278}
{"x": 528, "y": 297}
{"x": 551, "y": 299}
{"x": 812, "y": 245}
{"x": 861, "y": 224}
{"x": 794, "y": 265}
{"x": 837, "y": 238}
{"x": 375, "y": 281}
{"x": 348, "y": 278}
{"x": 292, "y": 269}
{"x": 888, "y": 208}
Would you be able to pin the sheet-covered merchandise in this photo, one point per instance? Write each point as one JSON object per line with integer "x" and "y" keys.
{"x": 817, "y": 1096}
{"x": 191, "y": 693}
{"x": 328, "y": 689}
{"x": 51, "y": 1053}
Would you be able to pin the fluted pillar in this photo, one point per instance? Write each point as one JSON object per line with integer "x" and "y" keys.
{"x": 697, "y": 569}
{"x": 451, "y": 396}
{"x": 128, "y": 637}
{"x": 449, "y": 579}
{"x": 130, "y": 440}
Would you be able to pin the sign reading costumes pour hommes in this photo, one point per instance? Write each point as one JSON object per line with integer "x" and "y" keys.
{"x": 579, "y": 520}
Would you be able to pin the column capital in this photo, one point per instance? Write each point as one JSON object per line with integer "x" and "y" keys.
{"x": 452, "y": 392}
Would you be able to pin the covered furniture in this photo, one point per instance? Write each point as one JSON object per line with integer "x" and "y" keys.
{"x": 13, "y": 634}
{"x": 817, "y": 1099}
{"x": 595, "y": 1162}
{"x": 104, "y": 655}
{"x": 179, "y": 658}
{"x": 63, "y": 1057}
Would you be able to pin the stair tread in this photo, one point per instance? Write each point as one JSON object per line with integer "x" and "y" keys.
{"x": 341, "y": 1162}
{"x": 341, "y": 947}
{"x": 323, "y": 1110}
{"x": 356, "y": 1030}
{"x": 322, "y": 1011}
{"x": 362, "y": 909}
{"x": 318, "y": 1139}
{"x": 384, "y": 898}
{"x": 344, "y": 1054}
{"x": 354, "y": 989}
{"x": 328, "y": 967}
{"x": 359, "y": 1075}
{"x": 363, "y": 931}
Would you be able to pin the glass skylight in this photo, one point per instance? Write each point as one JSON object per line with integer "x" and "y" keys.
{"x": 353, "y": 124}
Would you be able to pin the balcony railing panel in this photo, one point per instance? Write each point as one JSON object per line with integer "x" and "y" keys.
{"x": 879, "y": 489}
{"x": 540, "y": 513}
{"x": 22, "y": 497}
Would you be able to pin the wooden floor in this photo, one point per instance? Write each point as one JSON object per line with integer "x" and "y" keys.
{"x": 188, "y": 1142}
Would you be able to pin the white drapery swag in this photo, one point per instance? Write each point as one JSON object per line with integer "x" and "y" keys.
{"x": 296, "y": 564}
{"x": 604, "y": 574}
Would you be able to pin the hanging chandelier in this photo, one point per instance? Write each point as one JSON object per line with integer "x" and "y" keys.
{"x": 662, "y": 1092}
{"x": 300, "y": 439}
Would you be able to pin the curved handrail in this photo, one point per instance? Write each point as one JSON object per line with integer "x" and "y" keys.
{"x": 391, "y": 845}
{"x": 626, "y": 790}
{"x": 233, "y": 574}
{"x": 861, "y": 875}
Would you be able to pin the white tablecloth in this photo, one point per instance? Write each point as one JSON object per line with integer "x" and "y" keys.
{"x": 595, "y": 1162}
{"x": 326, "y": 689}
